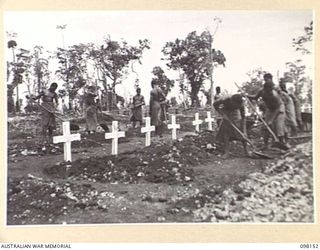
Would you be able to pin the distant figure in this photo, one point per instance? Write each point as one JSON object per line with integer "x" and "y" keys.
{"x": 218, "y": 93}
{"x": 297, "y": 108}
{"x": 216, "y": 97}
{"x": 157, "y": 108}
{"x": 290, "y": 121}
{"x": 48, "y": 108}
{"x": 64, "y": 107}
{"x": 137, "y": 103}
{"x": 233, "y": 108}
{"x": 275, "y": 109}
{"x": 91, "y": 110}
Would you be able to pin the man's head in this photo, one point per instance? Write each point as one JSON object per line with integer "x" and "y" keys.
{"x": 138, "y": 90}
{"x": 267, "y": 77}
{"x": 282, "y": 85}
{"x": 53, "y": 86}
{"x": 154, "y": 83}
{"x": 218, "y": 90}
{"x": 237, "y": 99}
{"x": 268, "y": 85}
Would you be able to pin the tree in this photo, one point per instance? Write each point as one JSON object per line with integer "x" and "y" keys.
{"x": 12, "y": 44}
{"x": 194, "y": 57}
{"x": 40, "y": 68}
{"x": 164, "y": 82}
{"x": 296, "y": 74}
{"x": 255, "y": 81}
{"x": 113, "y": 58}
{"x": 73, "y": 69}
{"x": 303, "y": 43}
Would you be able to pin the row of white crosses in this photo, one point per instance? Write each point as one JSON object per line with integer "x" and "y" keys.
{"x": 115, "y": 134}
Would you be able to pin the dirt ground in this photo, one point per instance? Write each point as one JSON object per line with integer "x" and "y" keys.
{"x": 166, "y": 182}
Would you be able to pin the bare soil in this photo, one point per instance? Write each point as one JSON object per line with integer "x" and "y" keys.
{"x": 165, "y": 182}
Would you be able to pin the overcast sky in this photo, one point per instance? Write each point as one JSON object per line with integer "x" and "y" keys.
{"x": 248, "y": 39}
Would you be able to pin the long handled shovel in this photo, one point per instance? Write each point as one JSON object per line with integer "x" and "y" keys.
{"x": 244, "y": 137}
{"x": 277, "y": 143}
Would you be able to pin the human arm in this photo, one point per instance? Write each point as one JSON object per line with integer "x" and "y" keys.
{"x": 56, "y": 99}
{"x": 38, "y": 96}
{"x": 150, "y": 103}
{"x": 142, "y": 101}
{"x": 243, "y": 119}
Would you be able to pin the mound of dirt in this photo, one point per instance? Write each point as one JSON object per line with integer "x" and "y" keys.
{"x": 33, "y": 200}
{"x": 162, "y": 162}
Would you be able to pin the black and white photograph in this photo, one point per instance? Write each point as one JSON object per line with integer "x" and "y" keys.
{"x": 161, "y": 117}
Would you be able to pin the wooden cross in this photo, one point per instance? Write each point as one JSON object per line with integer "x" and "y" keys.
{"x": 174, "y": 127}
{"x": 209, "y": 120}
{"x": 115, "y": 134}
{"x": 197, "y": 122}
{"x": 148, "y": 129}
{"x": 66, "y": 138}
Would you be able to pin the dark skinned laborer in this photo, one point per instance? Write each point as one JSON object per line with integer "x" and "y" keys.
{"x": 275, "y": 109}
{"x": 48, "y": 97}
{"x": 233, "y": 108}
{"x": 137, "y": 103}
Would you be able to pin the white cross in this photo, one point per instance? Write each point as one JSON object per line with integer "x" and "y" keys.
{"x": 209, "y": 120}
{"x": 147, "y": 129}
{"x": 114, "y": 135}
{"x": 174, "y": 127}
{"x": 66, "y": 138}
{"x": 197, "y": 122}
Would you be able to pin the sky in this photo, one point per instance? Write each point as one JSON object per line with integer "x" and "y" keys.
{"x": 248, "y": 39}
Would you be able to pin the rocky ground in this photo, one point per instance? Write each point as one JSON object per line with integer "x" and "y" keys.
{"x": 182, "y": 181}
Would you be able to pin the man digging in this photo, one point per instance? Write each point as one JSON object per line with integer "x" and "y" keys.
{"x": 233, "y": 113}
{"x": 48, "y": 97}
{"x": 275, "y": 110}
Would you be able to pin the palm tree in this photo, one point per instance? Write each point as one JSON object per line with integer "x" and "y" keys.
{"x": 12, "y": 45}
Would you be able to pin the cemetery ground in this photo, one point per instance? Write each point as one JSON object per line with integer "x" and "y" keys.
{"x": 167, "y": 182}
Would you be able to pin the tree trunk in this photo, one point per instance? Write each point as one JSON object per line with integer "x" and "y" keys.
{"x": 195, "y": 88}
{"x": 114, "y": 96}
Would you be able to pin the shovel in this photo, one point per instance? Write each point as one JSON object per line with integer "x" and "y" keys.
{"x": 244, "y": 137}
{"x": 276, "y": 143}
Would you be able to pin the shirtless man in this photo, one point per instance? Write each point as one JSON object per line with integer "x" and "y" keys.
{"x": 275, "y": 109}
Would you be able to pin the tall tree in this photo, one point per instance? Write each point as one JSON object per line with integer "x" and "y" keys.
{"x": 195, "y": 56}
{"x": 73, "y": 69}
{"x": 113, "y": 58}
{"x": 12, "y": 44}
{"x": 164, "y": 82}
{"x": 112, "y": 61}
{"x": 41, "y": 70}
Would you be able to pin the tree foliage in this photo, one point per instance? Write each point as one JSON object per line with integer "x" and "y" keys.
{"x": 113, "y": 58}
{"x": 296, "y": 74}
{"x": 195, "y": 56}
{"x": 164, "y": 82}
{"x": 302, "y": 43}
{"x": 255, "y": 81}
{"x": 73, "y": 68}
{"x": 40, "y": 67}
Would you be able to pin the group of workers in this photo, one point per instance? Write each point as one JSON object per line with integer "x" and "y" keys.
{"x": 281, "y": 112}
